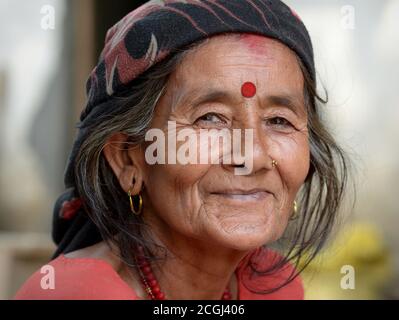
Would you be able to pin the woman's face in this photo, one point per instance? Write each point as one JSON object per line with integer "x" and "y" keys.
{"x": 211, "y": 202}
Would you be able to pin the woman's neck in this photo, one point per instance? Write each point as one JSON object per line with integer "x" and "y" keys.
{"x": 181, "y": 280}
{"x": 195, "y": 270}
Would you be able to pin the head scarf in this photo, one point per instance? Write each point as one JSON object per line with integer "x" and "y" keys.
{"x": 145, "y": 37}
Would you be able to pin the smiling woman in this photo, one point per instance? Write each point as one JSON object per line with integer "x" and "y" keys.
{"x": 145, "y": 230}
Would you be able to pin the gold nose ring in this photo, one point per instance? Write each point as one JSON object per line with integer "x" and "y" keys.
{"x": 274, "y": 163}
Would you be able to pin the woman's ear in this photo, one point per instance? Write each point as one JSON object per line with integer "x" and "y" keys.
{"x": 125, "y": 161}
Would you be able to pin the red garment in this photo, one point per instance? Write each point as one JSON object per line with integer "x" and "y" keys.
{"x": 94, "y": 279}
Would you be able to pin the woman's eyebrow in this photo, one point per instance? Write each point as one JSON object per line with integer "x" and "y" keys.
{"x": 288, "y": 101}
{"x": 195, "y": 97}
{"x": 212, "y": 95}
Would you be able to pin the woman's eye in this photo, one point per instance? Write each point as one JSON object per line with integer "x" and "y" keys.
{"x": 279, "y": 122}
{"x": 211, "y": 117}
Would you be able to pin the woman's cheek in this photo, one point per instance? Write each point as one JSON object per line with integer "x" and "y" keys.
{"x": 293, "y": 156}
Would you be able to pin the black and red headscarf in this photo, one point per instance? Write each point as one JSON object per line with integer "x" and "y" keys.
{"x": 143, "y": 38}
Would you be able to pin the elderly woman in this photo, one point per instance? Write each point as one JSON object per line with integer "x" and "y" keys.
{"x": 131, "y": 227}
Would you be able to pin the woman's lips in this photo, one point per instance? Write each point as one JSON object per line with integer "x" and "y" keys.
{"x": 243, "y": 195}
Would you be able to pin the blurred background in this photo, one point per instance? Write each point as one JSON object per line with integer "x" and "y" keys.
{"x": 48, "y": 48}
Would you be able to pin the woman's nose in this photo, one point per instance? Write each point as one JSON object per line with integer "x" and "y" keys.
{"x": 250, "y": 154}
{"x": 261, "y": 159}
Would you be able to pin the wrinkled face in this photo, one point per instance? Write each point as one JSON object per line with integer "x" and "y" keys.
{"x": 232, "y": 82}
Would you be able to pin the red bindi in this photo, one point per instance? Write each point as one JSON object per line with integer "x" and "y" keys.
{"x": 248, "y": 90}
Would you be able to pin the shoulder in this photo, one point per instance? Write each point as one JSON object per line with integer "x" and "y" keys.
{"x": 264, "y": 259}
{"x": 75, "y": 279}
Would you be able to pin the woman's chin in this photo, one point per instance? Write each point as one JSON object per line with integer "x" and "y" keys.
{"x": 246, "y": 236}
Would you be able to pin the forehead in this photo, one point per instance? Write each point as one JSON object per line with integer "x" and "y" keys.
{"x": 231, "y": 60}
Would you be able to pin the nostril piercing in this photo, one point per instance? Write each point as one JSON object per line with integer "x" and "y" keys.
{"x": 274, "y": 163}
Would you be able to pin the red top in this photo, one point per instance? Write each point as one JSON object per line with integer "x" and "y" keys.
{"x": 94, "y": 279}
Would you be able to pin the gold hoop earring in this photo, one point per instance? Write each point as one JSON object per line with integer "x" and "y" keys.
{"x": 138, "y": 211}
{"x": 295, "y": 215}
{"x": 274, "y": 163}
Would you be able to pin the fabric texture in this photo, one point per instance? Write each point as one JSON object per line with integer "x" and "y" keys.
{"x": 99, "y": 281}
{"x": 145, "y": 37}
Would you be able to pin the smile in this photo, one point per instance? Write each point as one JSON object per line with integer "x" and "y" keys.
{"x": 242, "y": 195}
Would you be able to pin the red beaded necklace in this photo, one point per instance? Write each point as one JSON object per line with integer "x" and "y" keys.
{"x": 151, "y": 284}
